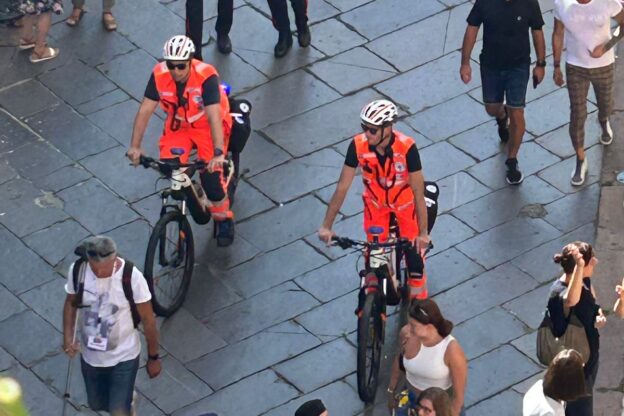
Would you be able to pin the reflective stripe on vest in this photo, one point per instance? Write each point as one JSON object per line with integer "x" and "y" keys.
{"x": 193, "y": 110}
{"x": 386, "y": 186}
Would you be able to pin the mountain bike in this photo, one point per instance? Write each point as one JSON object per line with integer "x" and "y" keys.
{"x": 383, "y": 281}
{"x": 170, "y": 255}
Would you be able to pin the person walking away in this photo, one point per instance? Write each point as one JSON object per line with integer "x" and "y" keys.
{"x": 505, "y": 61}
{"x": 585, "y": 25}
{"x": 574, "y": 293}
{"x": 564, "y": 381}
{"x": 109, "y": 344}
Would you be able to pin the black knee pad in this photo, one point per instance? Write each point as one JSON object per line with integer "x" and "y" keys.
{"x": 415, "y": 263}
{"x": 211, "y": 182}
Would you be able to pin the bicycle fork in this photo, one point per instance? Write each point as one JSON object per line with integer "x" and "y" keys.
{"x": 370, "y": 284}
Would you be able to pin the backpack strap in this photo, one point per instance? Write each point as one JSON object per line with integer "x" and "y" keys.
{"x": 126, "y": 282}
{"x": 78, "y": 284}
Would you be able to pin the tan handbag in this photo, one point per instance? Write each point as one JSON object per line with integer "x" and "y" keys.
{"x": 574, "y": 338}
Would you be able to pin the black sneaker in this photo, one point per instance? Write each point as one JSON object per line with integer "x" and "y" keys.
{"x": 304, "y": 37}
{"x": 514, "y": 176}
{"x": 503, "y": 127}
{"x": 224, "y": 232}
{"x": 283, "y": 45}
{"x": 224, "y": 44}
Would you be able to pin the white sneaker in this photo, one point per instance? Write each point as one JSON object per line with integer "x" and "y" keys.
{"x": 579, "y": 173}
{"x": 606, "y": 137}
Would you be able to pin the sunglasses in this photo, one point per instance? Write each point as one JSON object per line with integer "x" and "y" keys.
{"x": 365, "y": 128}
{"x": 95, "y": 254}
{"x": 173, "y": 66}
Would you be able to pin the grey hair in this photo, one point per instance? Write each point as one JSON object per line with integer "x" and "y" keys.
{"x": 99, "y": 248}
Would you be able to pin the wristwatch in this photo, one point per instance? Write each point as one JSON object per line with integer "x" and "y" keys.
{"x": 541, "y": 63}
{"x": 218, "y": 152}
{"x": 153, "y": 357}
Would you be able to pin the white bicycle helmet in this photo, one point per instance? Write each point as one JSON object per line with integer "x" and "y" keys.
{"x": 379, "y": 112}
{"x": 178, "y": 48}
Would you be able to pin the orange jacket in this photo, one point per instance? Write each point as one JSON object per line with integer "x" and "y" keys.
{"x": 386, "y": 186}
{"x": 193, "y": 111}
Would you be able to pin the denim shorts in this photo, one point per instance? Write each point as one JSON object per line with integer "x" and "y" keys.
{"x": 110, "y": 388}
{"x": 505, "y": 85}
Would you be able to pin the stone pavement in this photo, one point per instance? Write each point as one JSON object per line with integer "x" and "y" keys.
{"x": 268, "y": 323}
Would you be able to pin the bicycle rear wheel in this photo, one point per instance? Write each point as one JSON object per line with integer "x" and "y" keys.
{"x": 370, "y": 329}
{"x": 169, "y": 262}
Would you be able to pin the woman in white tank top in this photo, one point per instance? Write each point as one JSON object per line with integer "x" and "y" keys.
{"x": 430, "y": 356}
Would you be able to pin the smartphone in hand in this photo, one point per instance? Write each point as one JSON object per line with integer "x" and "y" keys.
{"x": 535, "y": 82}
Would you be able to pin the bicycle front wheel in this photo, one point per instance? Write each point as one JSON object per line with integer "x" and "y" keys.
{"x": 370, "y": 329}
{"x": 169, "y": 262}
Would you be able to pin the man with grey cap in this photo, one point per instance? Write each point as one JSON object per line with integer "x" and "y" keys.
{"x": 113, "y": 297}
{"x": 312, "y": 408}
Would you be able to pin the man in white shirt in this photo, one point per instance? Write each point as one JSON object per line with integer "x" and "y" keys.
{"x": 113, "y": 297}
{"x": 586, "y": 27}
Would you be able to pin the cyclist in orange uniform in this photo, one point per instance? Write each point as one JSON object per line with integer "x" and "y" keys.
{"x": 198, "y": 114}
{"x": 393, "y": 184}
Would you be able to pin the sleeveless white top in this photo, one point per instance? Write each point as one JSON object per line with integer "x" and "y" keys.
{"x": 427, "y": 368}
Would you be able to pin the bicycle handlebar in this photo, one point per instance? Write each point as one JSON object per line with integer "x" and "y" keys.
{"x": 346, "y": 243}
{"x": 168, "y": 166}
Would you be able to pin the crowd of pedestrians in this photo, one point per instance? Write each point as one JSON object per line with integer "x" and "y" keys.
{"x": 107, "y": 297}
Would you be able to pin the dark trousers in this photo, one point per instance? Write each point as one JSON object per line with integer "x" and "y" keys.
{"x": 194, "y": 24}
{"x": 225, "y": 15}
{"x": 279, "y": 13}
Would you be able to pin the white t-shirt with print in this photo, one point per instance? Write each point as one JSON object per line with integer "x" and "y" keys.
{"x": 536, "y": 404}
{"x": 587, "y": 26}
{"x": 108, "y": 336}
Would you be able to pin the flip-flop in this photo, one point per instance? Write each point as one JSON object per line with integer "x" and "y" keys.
{"x": 109, "y": 23}
{"x": 52, "y": 53}
{"x": 24, "y": 46}
{"x": 75, "y": 18}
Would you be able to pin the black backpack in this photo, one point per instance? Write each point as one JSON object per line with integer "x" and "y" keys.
{"x": 126, "y": 282}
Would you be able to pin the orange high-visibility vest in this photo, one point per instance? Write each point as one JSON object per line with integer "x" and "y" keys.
{"x": 192, "y": 112}
{"x": 386, "y": 186}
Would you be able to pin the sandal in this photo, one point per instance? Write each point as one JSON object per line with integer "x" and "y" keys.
{"x": 109, "y": 22}
{"x": 50, "y": 53}
{"x": 24, "y": 45}
{"x": 75, "y": 17}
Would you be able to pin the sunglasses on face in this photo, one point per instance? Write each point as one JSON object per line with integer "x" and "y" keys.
{"x": 95, "y": 254}
{"x": 173, "y": 66}
{"x": 365, "y": 128}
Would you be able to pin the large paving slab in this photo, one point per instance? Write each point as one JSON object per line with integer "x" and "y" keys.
{"x": 21, "y": 336}
{"x": 300, "y": 176}
{"x": 322, "y": 126}
{"x": 237, "y": 361}
{"x": 287, "y": 301}
{"x": 375, "y": 19}
{"x": 270, "y": 107}
{"x": 436, "y": 82}
{"x": 83, "y": 199}
{"x": 352, "y": 70}
{"x": 427, "y": 43}
{"x": 246, "y": 280}
{"x": 527, "y": 233}
{"x": 484, "y": 292}
{"x": 269, "y": 391}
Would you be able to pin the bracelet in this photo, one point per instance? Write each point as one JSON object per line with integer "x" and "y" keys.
{"x": 153, "y": 357}
{"x": 390, "y": 390}
{"x": 556, "y": 64}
